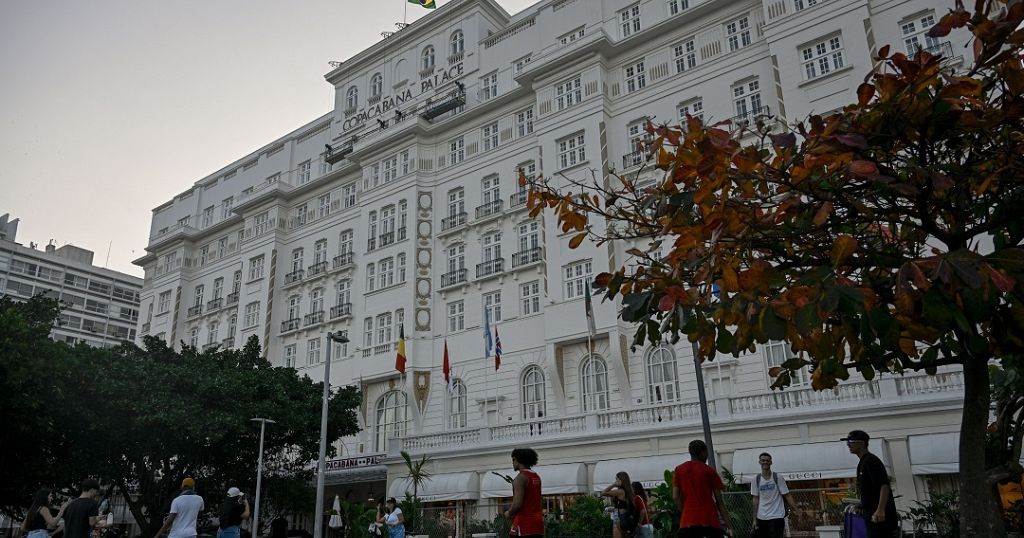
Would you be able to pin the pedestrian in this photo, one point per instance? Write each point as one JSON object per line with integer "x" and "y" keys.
{"x": 80, "y": 514}
{"x": 185, "y": 509}
{"x": 646, "y": 529}
{"x": 233, "y": 511}
{"x": 876, "y": 499}
{"x": 526, "y": 512}
{"x": 395, "y": 520}
{"x": 625, "y": 516}
{"x": 697, "y": 491}
{"x": 38, "y": 520}
{"x": 771, "y": 498}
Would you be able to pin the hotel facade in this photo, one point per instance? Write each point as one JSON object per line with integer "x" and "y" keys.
{"x": 399, "y": 212}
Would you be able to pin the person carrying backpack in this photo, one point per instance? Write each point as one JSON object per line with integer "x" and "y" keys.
{"x": 771, "y": 498}
{"x": 626, "y": 516}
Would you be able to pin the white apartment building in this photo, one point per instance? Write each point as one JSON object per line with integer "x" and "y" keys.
{"x": 400, "y": 210}
{"x": 101, "y": 306}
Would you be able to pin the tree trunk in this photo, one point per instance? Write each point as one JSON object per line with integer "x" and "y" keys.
{"x": 980, "y": 510}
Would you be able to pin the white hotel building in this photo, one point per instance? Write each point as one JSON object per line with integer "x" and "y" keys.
{"x": 413, "y": 219}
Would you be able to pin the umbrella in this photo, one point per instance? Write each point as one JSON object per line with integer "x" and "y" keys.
{"x": 335, "y": 522}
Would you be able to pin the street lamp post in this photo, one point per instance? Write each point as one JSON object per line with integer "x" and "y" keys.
{"x": 318, "y": 523}
{"x": 259, "y": 474}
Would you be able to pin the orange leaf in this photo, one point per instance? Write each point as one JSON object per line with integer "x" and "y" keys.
{"x": 577, "y": 239}
{"x": 823, "y": 213}
{"x": 883, "y": 52}
{"x": 842, "y": 249}
{"x": 864, "y": 93}
{"x": 863, "y": 168}
{"x": 729, "y": 280}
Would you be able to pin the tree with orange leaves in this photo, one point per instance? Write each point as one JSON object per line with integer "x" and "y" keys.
{"x": 886, "y": 237}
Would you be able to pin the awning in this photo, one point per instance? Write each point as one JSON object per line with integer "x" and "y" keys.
{"x": 554, "y": 479}
{"x": 936, "y": 453}
{"x": 372, "y": 473}
{"x": 648, "y": 470}
{"x": 439, "y": 487}
{"x": 811, "y": 461}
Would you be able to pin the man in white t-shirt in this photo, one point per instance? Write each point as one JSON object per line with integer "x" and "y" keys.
{"x": 771, "y": 496}
{"x": 184, "y": 512}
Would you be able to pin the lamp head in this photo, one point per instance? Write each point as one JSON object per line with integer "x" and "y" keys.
{"x": 338, "y": 338}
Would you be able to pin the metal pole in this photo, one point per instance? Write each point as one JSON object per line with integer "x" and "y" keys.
{"x": 318, "y": 524}
{"x": 259, "y": 475}
{"x": 703, "y": 398}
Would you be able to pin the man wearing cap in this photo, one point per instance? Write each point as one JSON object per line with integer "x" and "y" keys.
{"x": 233, "y": 511}
{"x": 185, "y": 510}
{"x": 876, "y": 500}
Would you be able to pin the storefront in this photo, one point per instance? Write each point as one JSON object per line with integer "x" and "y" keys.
{"x": 559, "y": 485}
{"x": 934, "y": 461}
{"x": 649, "y": 471}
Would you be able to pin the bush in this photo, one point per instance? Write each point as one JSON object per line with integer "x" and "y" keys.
{"x": 939, "y": 513}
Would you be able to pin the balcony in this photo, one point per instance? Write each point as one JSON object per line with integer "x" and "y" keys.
{"x": 294, "y": 276}
{"x": 453, "y": 221}
{"x": 317, "y": 269}
{"x": 195, "y": 310}
{"x": 944, "y": 49}
{"x": 228, "y": 342}
{"x": 453, "y": 278}
{"x": 290, "y": 325}
{"x": 490, "y": 208}
{"x": 313, "y": 318}
{"x": 633, "y": 159}
{"x": 214, "y": 304}
{"x": 518, "y": 200}
{"x": 527, "y": 257}
{"x": 343, "y": 260}
{"x": 232, "y": 298}
{"x": 490, "y": 267}
{"x": 343, "y": 310}
{"x": 751, "y": 116}
{"x": 387, "y": 239}
{"x": 447, "y": 104}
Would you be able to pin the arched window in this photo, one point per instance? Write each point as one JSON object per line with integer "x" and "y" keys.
{"x": 662, "y": 375}
{"x": 534, "y": 400}
{"x": 392, "y": 418}
{"x": 376, "y": 85}
{"x": 352, "y": 98}
{"x": 594, "y": 383}
{"x": 457, "y": 405}
{"x": 456, "y": 44}
{"x": 427, "y": 58}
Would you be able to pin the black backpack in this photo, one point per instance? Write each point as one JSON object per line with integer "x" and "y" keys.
{"x": 629, "y": 519}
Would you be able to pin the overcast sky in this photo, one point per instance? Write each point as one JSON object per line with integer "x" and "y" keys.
{"x": 111, "y": 107}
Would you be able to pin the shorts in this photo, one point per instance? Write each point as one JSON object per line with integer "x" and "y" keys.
{"x": 771, "y": 528}
{"x": 38, "y": 533}
{"x": 701, "y": 532}
{"x": 230, "y": 532}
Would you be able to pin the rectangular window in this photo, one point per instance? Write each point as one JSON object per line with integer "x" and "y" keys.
{"x": 384, "y": 328}
{"x": 569, "y": 93}
{"x": 747, "y": 100}
{"x": 403, "y": 162}
{"x": 737, "y": 33}
{"x": 915, "y": 33}
{"x": 776, "y": 353}
{"x": 348, "y": 195}
{"x": 693, "y": 107}
{"x": 367, "y": 333}
{"x": 524, "y": 122}
{"x": 256, "y": 267}
{"x": 320, "y": 251}
{"x": 635, "y": 76}
{"x": 801, "y": 5}
{"x": 676, "y": 7}
{"x": 390, "y": 166}
{"x": 456, "y": 316}
{"x": 576, "y": 276}
{"x": 303, "y": 172}
{"x": 490, "y": 188}
{"x": 225, "y": 207}
{"x": 489, "y": 86}
{"x": 222, "y": 247}
{"x": 572, "y": 36}
{"x": 387, "y": 272}
{"x": 260, "y": 224}
{"x": 456, "y": 151}
{"x": 313, "y": 351}
{"x": 520, "y": 64}
{"x": 252, "y": 315}
{"x": 323, "y": 206}
{"x": 629, "y": 20}
{"x": 638, "y": 138}
{"x": 821, "y": 58}
{"x": 371, "y": 277}
{"x": 571, "y": 151}
{"x": 302, "y": 214}
{"x": 489, "y": 134}
{"x": 492, "y": 306}
{"x": 208, "y": 216}
{"x": 289, "y": 356}
{"x": 685, "y": 55}
{"x": 163, "y": 302}
{"x": 529, "y": 297}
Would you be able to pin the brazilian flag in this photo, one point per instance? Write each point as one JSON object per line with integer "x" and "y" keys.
{"x": 429, "y": 4}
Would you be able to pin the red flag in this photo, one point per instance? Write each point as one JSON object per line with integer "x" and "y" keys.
{"x": 447, "y": 365}
{"x": 400, "y": 356}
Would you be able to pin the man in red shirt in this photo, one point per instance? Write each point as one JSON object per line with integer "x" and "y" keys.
{"x": 697, "y": 490}
{"x": 526, "y": 511}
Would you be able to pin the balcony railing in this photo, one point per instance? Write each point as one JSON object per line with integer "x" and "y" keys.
{"x": 453, "y": 278}
{"x": 214, "y": 304}
{"x": 313, "y": 318}
{"x": 490, "y": 208}
{"x": 290, "y": 324}
{"x": 228, "y": 342}
{"x": 751, "y": 116}
{"x": 195, "y": 310}
{"x": 294, "y": 276}
{"x": 387, "y": 239}
{"x": 527, "y": 257}
{"x": 233, "y": 298}
{"x": 316, "y": 269}
{"x": 342, "y": 260}
{"x": 342, "y": 310}
{"x": 453, "y": 221}
{"x": 490, "y": 267}
{"x": 517, "y": 200}
{"x": 633, "y": 159}
{"x": 944, "y": 49}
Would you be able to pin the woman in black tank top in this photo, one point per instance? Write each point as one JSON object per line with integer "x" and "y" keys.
{"x": 38, "y": 520}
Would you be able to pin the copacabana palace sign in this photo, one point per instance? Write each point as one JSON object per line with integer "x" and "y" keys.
{"x": 392, "y": 102}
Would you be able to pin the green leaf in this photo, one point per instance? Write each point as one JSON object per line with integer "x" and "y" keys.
{"x": 772, "y": 326}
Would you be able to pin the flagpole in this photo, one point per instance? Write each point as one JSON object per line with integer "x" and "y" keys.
{"x": 405, "y": 12}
